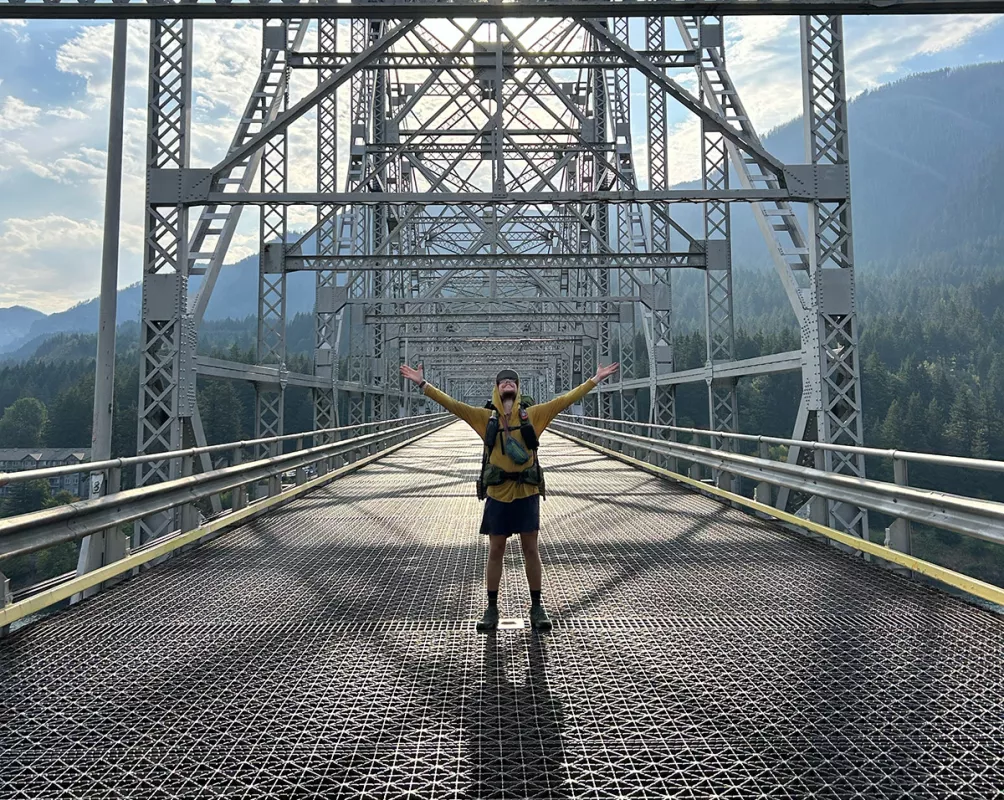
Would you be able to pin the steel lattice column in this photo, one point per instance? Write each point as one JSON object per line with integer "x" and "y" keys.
{"x": 325, "y": 321}
{"x": 270, "y": 398}
{"x": 354, "y": 235}
{"x": 629, "y": 237}
{"x": 167, "y": 348}
{"x": 831, "y": 320}
{"x": 601, "y": 223}
{"x": 376, "y": 332}
{"x": 720, "y": 330}
{"x": 663, "y": 398}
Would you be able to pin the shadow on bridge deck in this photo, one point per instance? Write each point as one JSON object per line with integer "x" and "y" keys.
{"x": 329, "y": 650}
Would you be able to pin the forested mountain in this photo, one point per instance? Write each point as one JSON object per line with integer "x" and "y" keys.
{"x": 15, "y": 322}
{"x": 927, "y": 166}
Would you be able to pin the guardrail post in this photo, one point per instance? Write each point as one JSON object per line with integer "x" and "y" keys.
{"x": 107, "y": 546}
{"x": 694, "y": 473}
{"x": 817, "y": 505}
{"x": 762, "y": 491}
{"x": 189, "y": 513}
{"x": 899, "y": 535}
{"x": 672, "y": 462}
{"x": 324, "y": 464}
{"x": 274, "y": 481}
{"x": 301, "y": 472}
{"x": 239, "y": 494}
{"x": 6, "y": 598}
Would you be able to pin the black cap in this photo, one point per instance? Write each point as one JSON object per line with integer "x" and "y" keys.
{"x": 506, "y": 374}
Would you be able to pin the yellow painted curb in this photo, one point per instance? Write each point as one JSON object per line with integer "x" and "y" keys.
{"x": 973, "y": 586}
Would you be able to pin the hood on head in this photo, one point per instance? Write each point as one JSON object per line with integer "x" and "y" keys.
{"x": 497, "y": 400}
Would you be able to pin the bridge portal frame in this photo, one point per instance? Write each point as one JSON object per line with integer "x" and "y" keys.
{"x": 606, "y": 214}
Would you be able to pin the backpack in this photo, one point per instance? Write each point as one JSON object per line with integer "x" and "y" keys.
{"x": 491, "y": 475}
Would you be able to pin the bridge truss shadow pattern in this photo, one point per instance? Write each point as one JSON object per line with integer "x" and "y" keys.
{"x": 329, "y": 650}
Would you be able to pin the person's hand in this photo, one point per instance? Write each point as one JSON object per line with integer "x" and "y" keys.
{"x": 603, "y": 372}
{"x": 414, "y": 375}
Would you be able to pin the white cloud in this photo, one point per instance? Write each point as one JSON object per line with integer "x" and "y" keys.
{"x": 875, "y": 54}
{"x": 16, "y": 28}
{"x": 764, "y": 57}
{"x": 71, "y": 169}
{"x": 46, "y": 261}
{"x": 53, "y": 261}
{"x": 24, "y": 236}
{"x": 66, "y": 113}
{"x": 16, "y": 114}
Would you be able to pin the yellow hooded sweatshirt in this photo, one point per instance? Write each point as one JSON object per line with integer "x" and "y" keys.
{"x": 540, "y": 417}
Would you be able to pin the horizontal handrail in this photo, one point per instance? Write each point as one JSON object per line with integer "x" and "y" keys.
{"x": 37, "y": 530}
{"x": 901, "y": 455}
{"x": 130, "y": 461}
{"x": 982, "y": 519}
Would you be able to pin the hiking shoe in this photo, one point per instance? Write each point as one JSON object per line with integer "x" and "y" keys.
{"x": 490, "y": 620}
{"x": 539, "y": 619}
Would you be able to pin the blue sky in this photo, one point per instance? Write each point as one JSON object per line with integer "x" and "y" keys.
{"x": 53, "y": 124}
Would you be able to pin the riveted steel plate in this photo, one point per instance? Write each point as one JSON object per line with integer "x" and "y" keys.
{"x": 329, "y": 650}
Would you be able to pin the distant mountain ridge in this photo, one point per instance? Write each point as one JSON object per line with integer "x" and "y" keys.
{"x": 15, "y": 322}
{"x": 927, "y": 175}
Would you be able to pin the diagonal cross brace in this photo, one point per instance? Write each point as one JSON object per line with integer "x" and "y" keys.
{"x": 687, "y": 100}
{"x": 283, "y": 121}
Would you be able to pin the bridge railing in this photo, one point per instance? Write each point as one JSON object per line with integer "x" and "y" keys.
{"x": 282, "y": 476}
{"x": 976, "y": 517}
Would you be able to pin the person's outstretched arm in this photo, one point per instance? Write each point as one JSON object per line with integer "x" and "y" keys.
{"x": 476, "y": 417}
{"x": 542, "y": 415}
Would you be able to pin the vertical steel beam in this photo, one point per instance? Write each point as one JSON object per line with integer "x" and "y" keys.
{"x": 270, "y": 398}
{"x": 628, "y": 219}
{"x": 100, "y": 548}
{"x": 720, "y": 328}
{"x": 325, "y": 400}
{"x": 167, "y": 337}
{"x": 383, "y": 219}
{"x": 601, "y": 223}
{"x": 831, "y": 322}
{"x": 662, "y": 399}
{"x": 355, "y": 234}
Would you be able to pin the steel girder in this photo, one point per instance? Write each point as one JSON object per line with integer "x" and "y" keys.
{"x": 325, "y": 398}
{"x": 270, "y": 398}
{"x": 167, "y": 332}
{"x": 472, "y": 9}
{"x": 723, "y": 407}
{"x": 508, "y": 261}
{"x": 833, "y": 379}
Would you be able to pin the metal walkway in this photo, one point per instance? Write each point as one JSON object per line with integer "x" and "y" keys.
{"x": 329, "y": 650}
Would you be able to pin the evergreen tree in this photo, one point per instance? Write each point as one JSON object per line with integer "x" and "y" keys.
{"x": 72, "y": 415}
{"x": 25, "y": 497}
{"x": 222, "y": 411}
{"x": 959, "y": 431}
{"x": 22, "y": 423}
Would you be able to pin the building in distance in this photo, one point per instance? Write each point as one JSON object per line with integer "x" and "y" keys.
{"x": 19, "y": 459}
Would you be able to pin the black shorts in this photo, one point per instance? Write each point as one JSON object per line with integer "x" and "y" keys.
{"x": 505, "y": 519}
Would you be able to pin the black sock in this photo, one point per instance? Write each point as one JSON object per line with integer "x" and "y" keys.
{"x": 535, "y": 597}
{"x": 493, "y": 597}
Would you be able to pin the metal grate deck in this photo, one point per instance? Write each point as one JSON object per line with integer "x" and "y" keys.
{"x": 329, "y": 650}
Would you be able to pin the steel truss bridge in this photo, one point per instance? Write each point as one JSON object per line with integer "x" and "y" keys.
{"x": 293, "y": 615}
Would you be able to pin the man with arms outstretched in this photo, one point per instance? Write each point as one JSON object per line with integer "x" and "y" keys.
{"x": 511, "y": 476}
